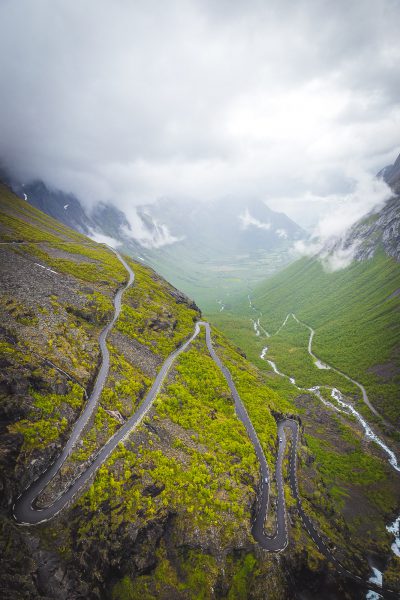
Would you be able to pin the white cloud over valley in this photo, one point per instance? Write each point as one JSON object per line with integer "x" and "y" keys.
{"x": 247, "y": 220}
{"x": 344, "y": 211}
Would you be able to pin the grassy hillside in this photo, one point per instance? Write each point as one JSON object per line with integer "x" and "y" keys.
{"x": 355, "y": 312}
{"x": 169, "y": 514}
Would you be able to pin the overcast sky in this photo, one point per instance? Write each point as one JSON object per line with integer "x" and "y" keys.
{"x": 128, "y": 101}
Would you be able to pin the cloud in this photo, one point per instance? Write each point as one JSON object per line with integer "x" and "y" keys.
{"x": 329, "y": 239}
{"x": 104, "y": 239}
{"x": 150, "y": 235}
{"x": 248, "y": 221}
{"x": 128, "y": 102}
{"x": 340, "y": 258}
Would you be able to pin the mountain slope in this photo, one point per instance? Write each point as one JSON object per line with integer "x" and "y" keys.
{"x": 354, "y": 310}
{"x": 56, "y": 295}
{"x": 391, "y": 174}
{"x": 209, "y": 250}
{"x": 169, "y": 514}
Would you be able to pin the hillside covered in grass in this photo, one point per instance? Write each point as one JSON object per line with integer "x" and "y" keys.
{"x": 354, "y": 311}
{"x": 169, "y": 514}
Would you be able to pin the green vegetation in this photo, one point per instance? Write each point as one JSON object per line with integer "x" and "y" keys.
{"x": 208, "y": 463}
{"x": 22, "y": 222}
{"x": 45, "y": 423}
{"x": 125, "y": 388}
{"x": 207, "y": 274}
{"x": 152, "y": 316}
{"x": 241, "y": 579}
{"x": 289, "y": 350}
{"x": 18, "y": 311}
{"x": 260, "y": 401}
{"x": 338, "y": 473}
{"x": 353, "y": 467}
{"x": 354, "y": 312}
{"x": 126, "y": 385}
{"x": 107, "y": 269}
{"x": 41, "y": 234}
{"x": 196, "y": 576}
{"x": 189, "y": 469}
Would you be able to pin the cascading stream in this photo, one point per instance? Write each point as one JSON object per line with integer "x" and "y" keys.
{"x": 345, "y": 407}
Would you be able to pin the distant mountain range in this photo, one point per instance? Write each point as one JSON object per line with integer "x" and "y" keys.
{"x": 223, "y": 248}
{"x": 230, "y": 224}
{"x": 213, "y": 251}
{"x": 104, "y": 219}
{"x": 209, "y": 250}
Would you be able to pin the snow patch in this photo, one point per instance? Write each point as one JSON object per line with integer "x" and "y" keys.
{"x": 329, "y": 240}
{"x": 46, "y": 268}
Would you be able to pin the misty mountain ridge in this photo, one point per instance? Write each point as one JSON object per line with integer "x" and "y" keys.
{"x": 391, "y": 174}
{"x": 168, "y": 221}
{"x": 209, "y": 250}
{"x": 239, "y": 225}
{"x": 378, "y": 229}
{"x": 104, "y": 219}
{"x": 212, "y": 250}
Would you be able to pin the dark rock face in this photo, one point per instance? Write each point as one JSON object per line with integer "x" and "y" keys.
{"x": 382, "y": 230}
{"x": 181, "y": 298}
{"x": 391, "y": 174}
{"x": 377, "y": 230}
{"x": 153, "y": 490}
{"x": 159, "y": 325}
{"x": 63, "y": 207}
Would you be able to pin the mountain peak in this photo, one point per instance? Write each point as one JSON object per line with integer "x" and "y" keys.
{"x": 391, "y": 174}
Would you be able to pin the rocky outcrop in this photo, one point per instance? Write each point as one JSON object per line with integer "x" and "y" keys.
{"x": 377, "y": 230}
{"x": 391, "y": 174}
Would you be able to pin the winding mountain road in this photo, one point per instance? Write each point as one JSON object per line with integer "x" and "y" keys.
{"x": 23, "y": 508}
{"x": 280, "y": 540}
{"x": 26, "y": 512}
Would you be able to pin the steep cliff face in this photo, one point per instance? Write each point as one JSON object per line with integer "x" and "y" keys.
{"x": 391, "y": 174}
{"x": 378, "y": 230}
